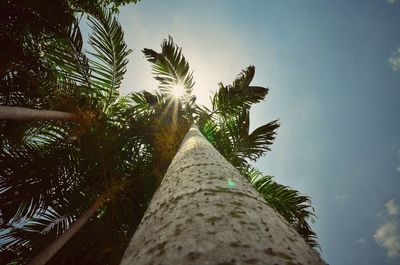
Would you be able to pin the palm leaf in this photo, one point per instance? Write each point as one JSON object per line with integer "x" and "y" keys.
{"x": 240, "y": 94}
{"x": 209, "y": 129}
{"x": 12, "y": 237}
{"x": 170, "y": 67}
{"x": 48, "y": 221}
{"x": 110, "y": 55}
{"x": 293, "y": 206}
{"x": 230, "y": 135}
{"x": 23, "y": 232}
{"x": 145, "y": 101}
{"x": 253, "y": 146}
{"x": 33, "y": 176}
{"x": 65, "y": 54}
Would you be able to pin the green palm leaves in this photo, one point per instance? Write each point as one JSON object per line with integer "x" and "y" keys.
{"x": 238, "y": 95}
{"x": 227, "y": 124}
{"x": 255, "y": 144}
{"x": 170, "y": 67}
{"x": 293, "y": 206}
{"x": 110, "y": 56}
{"x": 94, "y": 88}
{"x": 67, "y": 58}
{"x": 55, "y": 170}
{"x": 230, "y": 132}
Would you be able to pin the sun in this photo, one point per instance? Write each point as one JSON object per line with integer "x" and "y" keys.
{"x": 178, "y": 90}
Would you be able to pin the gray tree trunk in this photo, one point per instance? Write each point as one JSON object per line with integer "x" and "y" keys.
{"x": 205, "y": 212}
{"x": 46, "y": 254}
{"x": 21, "y": 113}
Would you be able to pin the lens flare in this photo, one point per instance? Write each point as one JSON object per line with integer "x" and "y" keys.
{"x": 178, "y": 90}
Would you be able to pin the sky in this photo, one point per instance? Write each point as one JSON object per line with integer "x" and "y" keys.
{"x": 333, "y": 69}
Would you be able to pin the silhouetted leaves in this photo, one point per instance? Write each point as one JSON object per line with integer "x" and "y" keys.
{"x": 170, "y": 67}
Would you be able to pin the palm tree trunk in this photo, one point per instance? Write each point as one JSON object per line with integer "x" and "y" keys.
{"x": 46, "y": 254}
{"x": 205, "y": 212}
{"x": 21, "y": 113}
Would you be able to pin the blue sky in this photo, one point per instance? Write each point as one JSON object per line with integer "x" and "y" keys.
{"x": 330, "y": 66}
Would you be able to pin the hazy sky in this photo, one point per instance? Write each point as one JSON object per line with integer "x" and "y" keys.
{"x": 330, "y": 66}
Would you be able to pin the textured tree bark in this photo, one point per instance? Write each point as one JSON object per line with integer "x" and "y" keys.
{"x": 205, "y": 212}
{"x": 47, "y": 253}
{"x": 20, "y": 113}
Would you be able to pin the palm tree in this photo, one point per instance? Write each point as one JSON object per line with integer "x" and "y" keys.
{"x": 172, "y": 117}
{"x": 95, "y": 82}
{"x": 117, "y": 140}
{"x": 205, "y": 211}
{"x": 81, "y": 170}
{"x": 226, "y": 126}
{"x": 89, "y": 89}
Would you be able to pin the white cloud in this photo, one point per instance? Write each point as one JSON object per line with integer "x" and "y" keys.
{"x": 388, "y": 233}
{"x": 360, "y": 241}
{"x": 391, "y": 2}
{"x": 391, "y": 207}
{"x": 387, "y": 236}
{"x": 394, "y": 60}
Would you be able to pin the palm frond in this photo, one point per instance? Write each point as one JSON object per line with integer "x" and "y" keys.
{"x": 293, "y": 206}
{"x": 16, "y": 236}
{"x": 12, "y": 237}
{"x": 49, "y": 220}
{"x": 240, "y": 94}
{"x": 252, "y": 146}
{"x": 209, "y": 129}
{"x": 110, "y": 55}
{"x": 45, "y": 133}
{"x": 33, "y": 176}
{"x": 65, "y": 54}
{"x": 170, "y": 67}
{"x": 230, "y": 136}
{"x": 145, "y": 101}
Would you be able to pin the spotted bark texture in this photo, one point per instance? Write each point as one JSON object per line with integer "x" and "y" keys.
{"x": 205, "y": 212}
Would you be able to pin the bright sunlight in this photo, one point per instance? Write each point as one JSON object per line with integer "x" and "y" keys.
{"x": 178, "y": 90}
